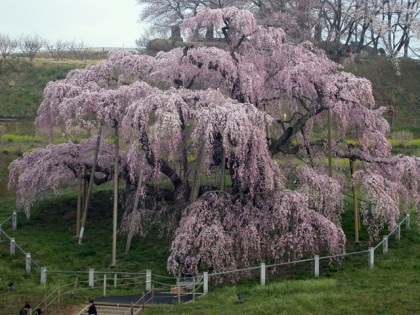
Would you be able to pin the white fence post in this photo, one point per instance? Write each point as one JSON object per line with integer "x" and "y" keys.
{"x": 104, "y": 284}
{"x": 262, "y": 274}
{"x": 398, "y": 233}
{"x": 316, "y": 266}
{"x": 28, "y": 262}
{"x": 91, "y": 278}
{"x": 371, "y": 257}
{"x": 43, "y": 275}
{"x": 12, "y": 246}
{"x": 205, "y": 282}
{"x": 115, "y": 280}
{"x": 385, "y": 245}
{"x": 14, "y": 220}
{"x": 148, "y": 280}
{"x": 407, "y": 221}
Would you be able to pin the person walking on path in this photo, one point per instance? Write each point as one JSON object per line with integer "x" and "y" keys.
{"x": 92, "y": 308}
{"x": 26, "y": 310}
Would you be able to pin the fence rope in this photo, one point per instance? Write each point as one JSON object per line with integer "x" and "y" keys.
{"x": 7, "y": 220}
{"x": 198, "y": 284}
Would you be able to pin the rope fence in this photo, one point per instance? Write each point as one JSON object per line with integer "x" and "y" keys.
{"x": 136, "y": 280}
{"x": 316, "y": 259}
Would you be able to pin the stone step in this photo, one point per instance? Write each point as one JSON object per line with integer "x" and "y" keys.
{"x": 104, "y": 309}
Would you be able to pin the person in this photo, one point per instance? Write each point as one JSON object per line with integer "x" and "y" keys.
{"x": 10, "y": 287}
{"x": 92, "y": 308}
{"x": 26, "y": 310}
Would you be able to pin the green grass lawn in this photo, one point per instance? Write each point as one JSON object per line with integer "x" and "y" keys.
{"x": 392, "y": 287}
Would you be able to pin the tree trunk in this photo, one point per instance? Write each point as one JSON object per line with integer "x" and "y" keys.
{"x": 196, "y": 177}
{"x": 222, "y": 173}
{"x": 89, "y": 190}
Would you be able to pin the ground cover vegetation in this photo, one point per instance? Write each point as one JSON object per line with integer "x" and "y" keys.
{"x": 22, "y": 83}
{"x": 391, "y": 287}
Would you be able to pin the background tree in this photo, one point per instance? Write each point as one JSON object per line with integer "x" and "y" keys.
{"x": 30, "y": 45}
{"x": 299, "y": 19}
{"x": 78, "y": 50}
{"x": 381, "y": 24}
{"x": 7, "y": 45}
{"x": 166, "y": 16}
{"x": 57, "y": 49}
{"x": 333, "y": 25}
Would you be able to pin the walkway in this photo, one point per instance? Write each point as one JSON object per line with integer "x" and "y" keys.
{"x": 159, "y": 298}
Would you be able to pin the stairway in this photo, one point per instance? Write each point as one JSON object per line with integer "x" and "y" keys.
{"x": 112, "y": 309}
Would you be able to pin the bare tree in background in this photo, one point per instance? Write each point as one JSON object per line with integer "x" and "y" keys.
{"x": 30, "y": 45}
{"x": 78, "y": 50}
{"x": 298, "y": 18}
{"x": 359, "y": 23}
{"x": 396, "y": 21}
{"x": 7, "y": 45}
{"x": 390, "y": 26}
{"x": 57, "y": 49}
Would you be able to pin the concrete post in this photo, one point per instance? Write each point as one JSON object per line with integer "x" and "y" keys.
{"x": 316, "y": 272}
{"x": 91, "y": 278}
{"x": 104, "y": 291}
{"x": 14, "y": 221}
{"x": 43, "y": 275}
{"x": 115, "y": 280}
{"x": 262, "y": 273}
{"x": 398, "y": 233}
{"x": 205, "y": 282}
{"x": 407, "y": 221}
{"x": 371, "y": 257}
{"x": 28, "y": 262}
{"x": 12, "y": 246}
{"x": 148, "y": 280}
{"x": 385, "y": 245}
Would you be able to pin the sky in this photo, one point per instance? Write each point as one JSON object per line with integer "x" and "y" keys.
{"x": 96, "y": 23}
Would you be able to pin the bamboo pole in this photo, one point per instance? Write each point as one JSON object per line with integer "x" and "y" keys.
{"x": 329, "y": 144}
{"x": 89, "y": 190}
{"x": 355, "y": 207}
{"x": 115, "y": 208}
{"x": 135, "y": 207}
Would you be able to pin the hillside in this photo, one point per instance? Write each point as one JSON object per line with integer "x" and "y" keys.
{"x": 397, "y": 90}
{"x": 22, "y": 84}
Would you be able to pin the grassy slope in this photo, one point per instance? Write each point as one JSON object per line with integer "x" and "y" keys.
{"x": 393, "y": 287}
{"x": 391, "y": 89}
{"x": 22, "y": 83}
{"x": 49, "y": 237}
